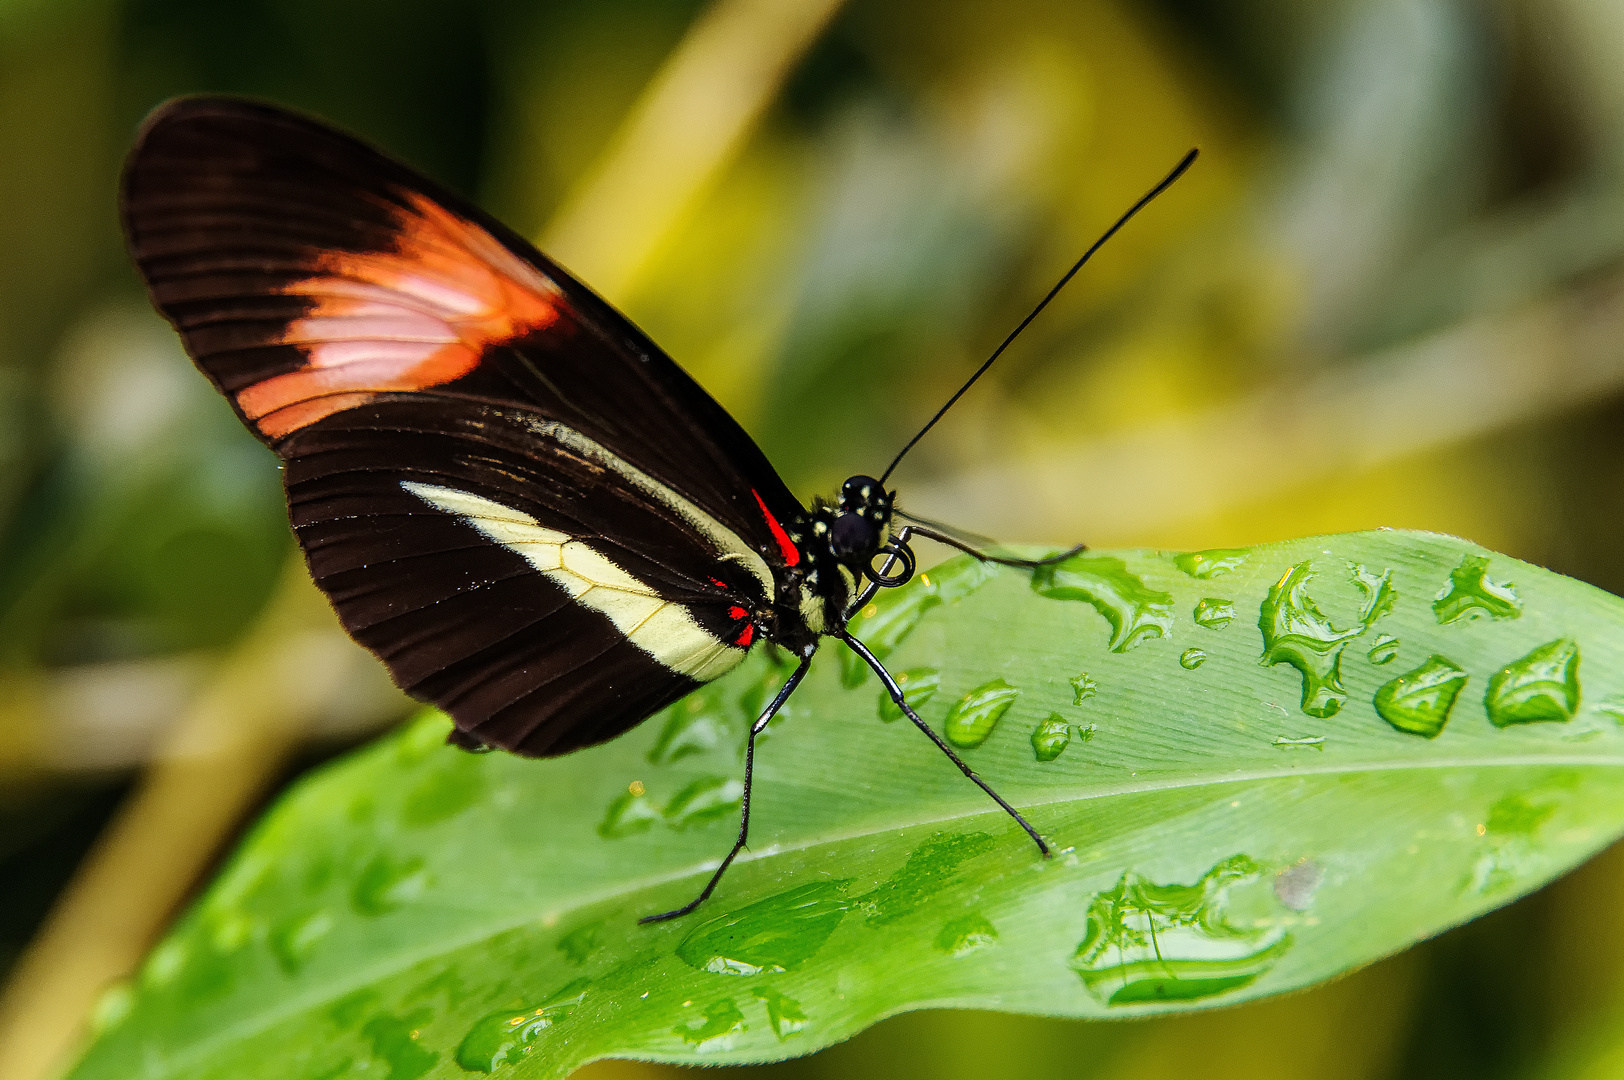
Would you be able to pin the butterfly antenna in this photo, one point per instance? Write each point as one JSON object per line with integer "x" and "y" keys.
{"x": 1167, "y": 181}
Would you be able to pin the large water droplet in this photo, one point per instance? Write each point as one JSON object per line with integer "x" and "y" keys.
{"x": 394, "y": 1041}
{"x": 716, "y": 1029}
{"x": 919, "y": 685}
{"x": 1084, "y": 688}
{"x": 502, "y": 1038}
{"x": 1471, "y": 594}
{"x": 704, "y": 800}
{"x": 1296, "y": 884}
{"x": 1419, "y": 701}
{"x": 293, "y": 938}
{"x": 966, "y": 935}
{"x": 1213, "y": 613}
{"x": 629, "y": 812}
{"x": 1385, "y": 651}
{"x": 1134, "y": 610}
{"x": 387, "y": 882}
{"x": 1296, "y": 632}
{"x": 1150, "y": 942}
{"x": 1542, "y": 686}
{"x": 1190, "y": 659}
{"x": 923, "y": 877}
{"x": 1212, "y": 563}
{"x": 897, "y": 611}
{"x": 1050, "y": 737}
{"x": 971, "y": 719}
{"x": 775, "y": 934}
{"x": 783, "y": 1013}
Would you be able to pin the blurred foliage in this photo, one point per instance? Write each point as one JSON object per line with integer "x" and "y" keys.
{"x": 1409, "y": 215}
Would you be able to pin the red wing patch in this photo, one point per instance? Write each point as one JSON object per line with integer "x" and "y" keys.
{"x": 417, "y": 316}
{"x": 786, "y": 546}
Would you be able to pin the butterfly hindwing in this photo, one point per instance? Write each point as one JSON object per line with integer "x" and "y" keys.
{"x": 531, "y": 514}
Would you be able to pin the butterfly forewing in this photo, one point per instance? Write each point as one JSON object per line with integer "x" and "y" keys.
{"x": 529, "y": 512}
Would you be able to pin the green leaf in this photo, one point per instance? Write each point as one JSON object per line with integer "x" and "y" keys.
{"x": 1286, "y": 810}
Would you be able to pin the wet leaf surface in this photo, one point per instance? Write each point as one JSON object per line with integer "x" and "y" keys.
{"x": 1254, "y": 824}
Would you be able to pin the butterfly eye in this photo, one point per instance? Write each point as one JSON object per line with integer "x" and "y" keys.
{"x": 851, "y": 534}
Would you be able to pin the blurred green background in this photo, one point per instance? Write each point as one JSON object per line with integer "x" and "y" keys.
{"x": 1390, "y": 293}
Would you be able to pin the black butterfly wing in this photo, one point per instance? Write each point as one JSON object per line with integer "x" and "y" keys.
{"x": 530, "y": 513}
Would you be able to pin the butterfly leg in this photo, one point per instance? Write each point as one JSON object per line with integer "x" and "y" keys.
{"x": 895, "y": 691}
{"x": 744, "y": 815}
{"x": 943, "y": 538}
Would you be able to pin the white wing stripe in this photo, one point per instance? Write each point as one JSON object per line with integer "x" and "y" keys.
{"x": 661, "y": 628}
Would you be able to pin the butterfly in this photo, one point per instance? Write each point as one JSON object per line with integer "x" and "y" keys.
{"x": 532, "y": 516}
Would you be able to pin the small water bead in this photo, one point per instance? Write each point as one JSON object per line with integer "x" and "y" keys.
{"x": 1542, "y": 686}
{"x": 504, "y": 1038}
{"x": 628, "y": 813}
{"x": 294, "y": 938}
{"x": 1384, "y": 651}
{"x": 784, "y": 1013}
{"x": 1084, "y": 687}
{"x": 1419, "y": 701}
{"x": 1214, "y": 613}
{"x": 966, "y": 935}
{"x": 1311, "y": 742}
{"x": 1472, "y": 594}
{"x": 896, "y": 612}
{"x": 971, "y": 720}
{"x": 716, "y": 1027}
{"x": 387, "y": 882}
{"x": 1051, "y": 737}
{"x": 1191, "y": 659}
{"x": 919, "y": 685}
{"x": 1211, "y": 563}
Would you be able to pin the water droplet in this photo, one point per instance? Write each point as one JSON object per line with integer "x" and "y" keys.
{"x": 580, "y": 943}
{"x": 1084, "y": 687}
{"x": 1212, "y": 563}
{"x": 348, "y": 1010}
{"x": 898, "y": 611}
{"x": 1295, "y": 632}
{"x": 1213, "y": 613}
{"x": 783, "y": 1013}
{"x": 293, "y": 939}
{"x": 1149, "y": 942}
{"x": 456, "y": 783}
{"x": 394, "y": 1040}
{"x": 1312, "y": 742}
{"x": 690, "y": 731}
{"x": 1085, "y": 733}
{"x": 776, "y": 934}
{"x": 923, "y": 876}
{"x": 1190, "y": 659}
{"x": 1542, "y": 686}
{"x": 1419, "y": 701}
{"x": 966, "y": 935}
{"x": 1050, "y": 737}
{"x": 716, "y": 1029}
{"x": 628, "y": 814}
{"x": 1385, "y": 651}
{"x": 1379, "y": 593}
{"x": 1471, "y": 594}
{"x": 971, "y": 719}
{"x": 386, "y": 883}
{"x": 503, "y": 1038}
{"x": 1612, "y": 707}
{"x": 919, "y": 685}
{"x": 704, "y": 800}
{"x": 1509, "y": 828}
{"x": 1134, "y": 610}
{"x": 1296, "y": 885}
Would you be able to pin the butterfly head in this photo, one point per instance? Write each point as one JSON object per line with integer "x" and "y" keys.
{"x": 862, "y": 520}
